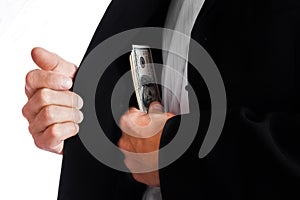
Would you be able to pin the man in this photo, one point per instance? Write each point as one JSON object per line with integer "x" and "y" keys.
{"x": 255, "y": 45}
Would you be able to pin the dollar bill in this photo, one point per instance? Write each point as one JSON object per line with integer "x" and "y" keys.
{"x": 144, "y": 77}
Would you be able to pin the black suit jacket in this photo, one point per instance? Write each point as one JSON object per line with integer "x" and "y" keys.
{"x": 255, "y": 45}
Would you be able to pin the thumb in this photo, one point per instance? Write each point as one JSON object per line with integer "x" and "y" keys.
{"x": 52, "y": 62}
{"x": 155, "y": 107}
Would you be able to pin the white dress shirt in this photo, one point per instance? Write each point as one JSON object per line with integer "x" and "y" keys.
{"x": 181, "y": 17}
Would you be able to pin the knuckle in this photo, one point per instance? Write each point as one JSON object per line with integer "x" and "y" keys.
{"x": 38, "y": 143}
{"x": 25, "y": 111}
{"x": 47, "y": 113}
{"x": 30, "y": 77}
{"x": 53, "y": 133}
{"x": 43, "y": 96}
{"x": 51, "y": 137}
{"x": 31, "y": 128}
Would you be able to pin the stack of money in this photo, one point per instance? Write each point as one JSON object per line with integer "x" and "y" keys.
{"x": 143, "y": 75}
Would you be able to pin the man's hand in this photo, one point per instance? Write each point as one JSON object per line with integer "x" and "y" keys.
{"x": 51, "y": 110}
{"x": 141, "y": 134}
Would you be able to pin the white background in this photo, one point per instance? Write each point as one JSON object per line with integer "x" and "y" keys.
{"x": 61, "y": 26}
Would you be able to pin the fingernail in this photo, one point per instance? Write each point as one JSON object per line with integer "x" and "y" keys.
{"x": 80, "y": 116}
{"x": 79, "y": 102}
{"x": 66, "y": 83}
{"x": 76, "y": 127}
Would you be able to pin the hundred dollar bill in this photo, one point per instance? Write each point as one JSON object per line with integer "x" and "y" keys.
{"x": 143, "y": 75}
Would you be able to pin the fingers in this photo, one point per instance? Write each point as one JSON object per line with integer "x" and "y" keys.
{"x": 52, "y": 138}
{"x": 132, "y": 121}
{"x": 52, "y": 110}
{"x": 52, "y": 114}
{"x": 45, "y": 97}
{"x": 139, "y": 124}
{"x": 140, "y": 155}
{"x": 56, "y": 73}
{"x": 37, "y": 79}
{"x": 51, "y": 62}
{"x": 132, "y": 117}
